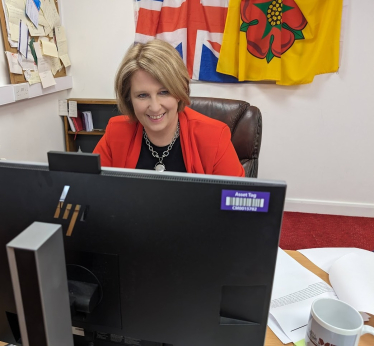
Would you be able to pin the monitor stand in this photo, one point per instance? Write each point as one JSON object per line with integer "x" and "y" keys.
{"x": 37, "y": 265}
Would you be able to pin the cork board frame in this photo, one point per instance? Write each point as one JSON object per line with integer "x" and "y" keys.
{"x": 20, "y": 78}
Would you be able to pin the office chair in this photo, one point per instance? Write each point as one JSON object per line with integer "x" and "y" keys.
{"x": 245, "y": 123}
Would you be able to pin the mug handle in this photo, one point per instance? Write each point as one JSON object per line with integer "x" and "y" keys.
{"x": 367, "y": 330}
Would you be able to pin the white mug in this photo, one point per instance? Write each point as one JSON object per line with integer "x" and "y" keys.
{"x": 334, "y": 323}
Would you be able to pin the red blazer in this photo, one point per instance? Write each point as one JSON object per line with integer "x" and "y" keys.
{"x": 206, "y": 144}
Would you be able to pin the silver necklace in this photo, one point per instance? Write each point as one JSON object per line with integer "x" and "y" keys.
{"x": 160, "y": 166}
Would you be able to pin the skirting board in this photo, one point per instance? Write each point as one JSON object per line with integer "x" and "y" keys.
{"x": 329, "y": 207}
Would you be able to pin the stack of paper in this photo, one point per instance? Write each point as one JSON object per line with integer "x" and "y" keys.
{"x": 294, "y": 290}
{"x": 351, "y": 274}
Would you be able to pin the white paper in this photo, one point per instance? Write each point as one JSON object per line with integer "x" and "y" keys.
{"x": 49, "y": 48}
{"x": 35, "y": 31}
{"x": 294, "y": 290}
{"x": 16, "y": 3}
{"x": 47, "y": 30}
{"x": 43, "y": 65}
{"x": 65, "y": 60}
{"x": 32, "y": 12}
{"x": 32, "y": 76}
{"x": 11, "y": 41}
{"x": 47, "y": 79}
{"x": 38, "y": 50}
{"x": 277, "y": 330}
{"x": 16, "y": 14}
{"x": 325, "y": 257}
{"x": 365, "y": 316}
{"x": 14, "y": 66}
{"x": 73, "y": 109}
{"x": 63, "y": 107}
{"x": 42, "y": 20}
{"x": 61, "y": 41}
{"x": 23, "y": 40}
{"x": 14, "y": 32}
{"x": 50, "y": 13}
{"x": 27, "y": 63}
{"x": 54, "y": 63}
{"x": 352, "y": 277}
{"x": 44, "y": 68}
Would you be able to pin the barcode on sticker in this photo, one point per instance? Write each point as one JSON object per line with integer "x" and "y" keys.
{"x": 252, "y": 201}
{"x": 245, "y": 202}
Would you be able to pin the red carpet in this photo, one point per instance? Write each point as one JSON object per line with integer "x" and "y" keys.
{"x": 302, "y": 231}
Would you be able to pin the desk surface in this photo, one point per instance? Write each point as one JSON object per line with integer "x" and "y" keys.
{"x": 271, "y": 339}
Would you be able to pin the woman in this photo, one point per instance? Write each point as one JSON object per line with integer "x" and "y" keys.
{"x": 159, "y": 132}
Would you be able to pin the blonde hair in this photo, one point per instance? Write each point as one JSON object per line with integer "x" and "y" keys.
{"x": 163, "y": 62}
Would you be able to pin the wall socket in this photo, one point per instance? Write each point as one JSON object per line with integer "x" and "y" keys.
{"x": 21, "y": 91}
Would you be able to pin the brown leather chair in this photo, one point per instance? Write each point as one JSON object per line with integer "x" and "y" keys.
{"x": 245, "y": 123}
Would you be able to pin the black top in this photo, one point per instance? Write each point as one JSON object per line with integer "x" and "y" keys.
{"x": 173, "y": 162}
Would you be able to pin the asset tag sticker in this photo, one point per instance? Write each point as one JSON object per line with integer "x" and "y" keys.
{"x": 245, "y": 201}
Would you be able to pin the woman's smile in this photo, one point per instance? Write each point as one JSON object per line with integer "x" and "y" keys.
{"x": 156, "y": 117}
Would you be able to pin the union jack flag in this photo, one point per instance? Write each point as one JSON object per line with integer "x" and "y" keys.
{"x": 194, "y": 27}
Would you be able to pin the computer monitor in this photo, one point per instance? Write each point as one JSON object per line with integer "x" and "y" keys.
{"x": 181, "y": 259}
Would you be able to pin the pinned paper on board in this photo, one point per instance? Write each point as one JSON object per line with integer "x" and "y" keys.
{"x": 14, "y": 66}
{"x": 65, "y": 60}
{"x": 50, "y": 13}
{"x": 23, "y": 39}
{"x": 39, "y": 31}
{"x": 55, "y": 64}
{"x": 32, "y": 77}
{"x": 39, "y": 19}
{"x": 44, "y": 68}
{"x": 62, "y": 45}
{"x": 32, "y": 11}
{"x": 27, "y": 63}
{"x": 14, "y": 31}
{"x": 49, "y": 48}
{"x": 16, "y": 14}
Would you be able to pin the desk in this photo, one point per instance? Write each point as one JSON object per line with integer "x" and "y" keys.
{"x": 271, "y": 339}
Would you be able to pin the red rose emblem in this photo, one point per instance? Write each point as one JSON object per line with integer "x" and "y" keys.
{"x": 271, "y": 26}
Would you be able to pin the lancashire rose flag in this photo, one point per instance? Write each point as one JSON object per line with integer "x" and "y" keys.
{"x": 194, "y": 27}
{"x": 288, "y": 41}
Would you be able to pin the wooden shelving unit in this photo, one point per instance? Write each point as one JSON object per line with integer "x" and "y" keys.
{"x": 102, "y": 110}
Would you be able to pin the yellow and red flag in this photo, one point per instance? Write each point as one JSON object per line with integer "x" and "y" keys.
{"x": 287, "y": 41}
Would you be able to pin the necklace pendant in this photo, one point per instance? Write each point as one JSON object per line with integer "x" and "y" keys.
{"x": 160, "y": 167}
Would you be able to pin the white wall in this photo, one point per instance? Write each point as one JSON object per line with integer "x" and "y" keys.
{"x": 317, "y": 137}
{"x": 31, "y": 128}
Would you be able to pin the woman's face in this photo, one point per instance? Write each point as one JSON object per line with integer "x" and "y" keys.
{"x": 154, "y": 107}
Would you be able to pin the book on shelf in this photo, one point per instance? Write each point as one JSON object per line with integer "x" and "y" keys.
{"x": 78, "y": 124}
{"x": 71, "y": 124}
{"x": 87, "y": 121}
{"x": 82, "y": 122}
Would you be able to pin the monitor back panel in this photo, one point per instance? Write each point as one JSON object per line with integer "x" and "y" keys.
{"x": 174, "y": 264}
